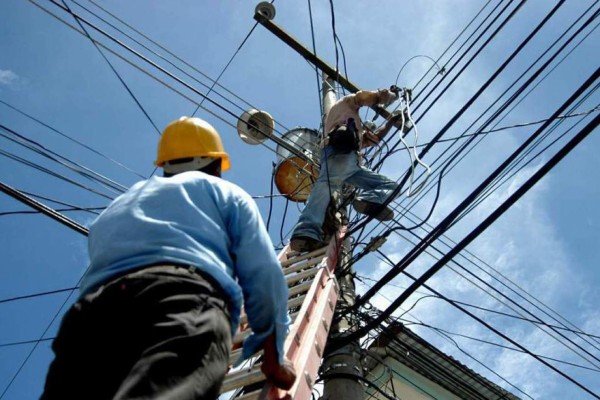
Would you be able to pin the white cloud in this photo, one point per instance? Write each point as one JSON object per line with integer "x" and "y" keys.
{"x": 8, "y": 77}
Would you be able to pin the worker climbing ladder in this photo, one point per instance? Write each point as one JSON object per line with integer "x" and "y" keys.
{"x": 313, "y": 292}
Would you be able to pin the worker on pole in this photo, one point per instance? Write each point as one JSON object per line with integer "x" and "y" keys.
{"x": 171, "y": 261}
{"x": 344, "y": 138}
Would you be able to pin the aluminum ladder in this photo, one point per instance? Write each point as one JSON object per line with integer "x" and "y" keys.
{"x": 313, "y": 293}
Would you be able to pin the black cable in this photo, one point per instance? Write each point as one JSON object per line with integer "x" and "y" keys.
{"x": 515, "y": 303}
{"x": 18, "y": 195}
{"x": 167, "y": 51}
{"x": 314, "y": 48}
{"x": 337, "y": 57}
{"x": 271, "y": 196}
{"x": 495, "y": 278}
{"x": 504, "y": 106}
{"x": 40, "y": 294}
{"x": 520, "y": 348}
{"x": 523, "y": 86}
{"x": 441, "y": 70}
{"x": 35, "y": 346}
{"x": 441, "y": 227}
{"x": 490, "y": 219}
{"x": 62, "y": 203}
{"x": 68, "y": 9}
{"x": 227, "y": 66}
{"x": 521, "y": 125}
{"x": 71, "y": 139}
{"x": 577, "y": 332}
{"x": 458, "y": 114}
{"x": 37, "y": 341}
{"x": 445, "y": 332}
{"x": 280, "y": 142}
{"x": 488, "y": 82}
{"x": 505, "y": 177}
{"x": 498, "y": 4}
{"x": 66, "y": 162}
{"x": 447, "y": 378}
{"x": 468, "y": 50}
{"x": 337, "y": 38}
{"x": 90, "y": 210}
{"x": 285, "y": 210}
{"x": 52, "y": 173}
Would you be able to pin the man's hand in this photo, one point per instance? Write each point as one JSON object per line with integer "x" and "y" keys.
{"x": 282, "y": 376}
{"x": 369, "y": 138}
{"x": 387, "y": 97}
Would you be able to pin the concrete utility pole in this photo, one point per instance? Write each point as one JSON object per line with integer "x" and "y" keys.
{"x": 341, "y": 369}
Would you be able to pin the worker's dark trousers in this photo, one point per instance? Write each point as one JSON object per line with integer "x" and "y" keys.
{"x": 158, "y": 333}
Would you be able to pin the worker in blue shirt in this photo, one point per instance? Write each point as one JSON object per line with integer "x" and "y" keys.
{"x": 172, "y": 260}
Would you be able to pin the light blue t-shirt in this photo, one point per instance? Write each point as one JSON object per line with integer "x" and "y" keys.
{"x": 200, "y": 220}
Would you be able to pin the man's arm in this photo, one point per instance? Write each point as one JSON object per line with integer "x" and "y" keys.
{"x": 260, "y": 276}
{"x": 373, "y": 138}
{"x": 370, "y": 98}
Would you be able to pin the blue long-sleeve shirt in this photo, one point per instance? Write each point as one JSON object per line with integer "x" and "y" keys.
{"x": 200, "y": 220}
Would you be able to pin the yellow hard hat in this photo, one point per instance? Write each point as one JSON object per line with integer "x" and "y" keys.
{"x": 190, "y": 137}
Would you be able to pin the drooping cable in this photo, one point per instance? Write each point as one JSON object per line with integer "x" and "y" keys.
{"x": 71, "y": 139}
{"x": 510, "y": 201}
{"x": 135, "y": 99}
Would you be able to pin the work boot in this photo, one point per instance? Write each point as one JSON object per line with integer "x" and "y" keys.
{"x": 375, "y": 210}
{"x": 305, "y": 243}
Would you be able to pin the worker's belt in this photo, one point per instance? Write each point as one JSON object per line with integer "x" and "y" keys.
{"x": 181, "y": 269}
{"x": 345, "y": 138}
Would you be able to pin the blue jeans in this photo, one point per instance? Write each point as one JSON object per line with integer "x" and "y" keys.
{"x": 337, "y": 169}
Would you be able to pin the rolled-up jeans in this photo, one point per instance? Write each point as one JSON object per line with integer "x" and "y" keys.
{"x": 162, "y": 332}
{"x": 337, "y": 169}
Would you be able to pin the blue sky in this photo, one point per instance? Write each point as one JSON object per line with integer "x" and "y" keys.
{"x": 547, "y": 243}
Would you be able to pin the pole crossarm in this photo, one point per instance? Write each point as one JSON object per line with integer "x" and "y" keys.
{"x": 316, "y": 61}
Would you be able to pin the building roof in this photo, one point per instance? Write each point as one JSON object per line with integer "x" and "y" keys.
{"x": 414, "y": 352}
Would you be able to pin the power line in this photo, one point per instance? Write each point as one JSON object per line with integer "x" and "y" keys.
{"x": 277, "y": 140}
{"x": 68, "y": 9}
{"x": 491, "y": 218}
{"x": 167, "y": 51}
{"x": 71, "y": 139}
{"x": 40, "y": 294}
{"x": 52, "y": 173}
{"x": 20, "y": 196}
{"x": 64, "y": 161}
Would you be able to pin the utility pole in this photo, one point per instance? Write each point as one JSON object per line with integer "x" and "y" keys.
{"x": 341, "y": 370}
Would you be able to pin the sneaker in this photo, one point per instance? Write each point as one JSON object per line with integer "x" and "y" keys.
{"x": 374, "y": 210}
{"x": 305, "y": 243}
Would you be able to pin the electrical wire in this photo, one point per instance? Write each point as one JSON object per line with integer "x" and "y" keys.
{"x": 54, "y": 174}
{"x": 280, "y": 142}
{"x": 64, "y": 161}
{"x": 34, "y": 295}
{"x": 505, "y": 105}
{"x": 168, "y": 52}
{"x": 314, "y": 48}
{"x": 114, "y": 70}
{"x": 526, "y": 186}
{"x": 71, "y": 138}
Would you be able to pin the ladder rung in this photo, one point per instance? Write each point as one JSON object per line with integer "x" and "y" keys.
{"x": 242, "y": 377}
{"x": 300, "y": 266}
{"x": 301, "y": 288}
{"x": 301, "y": 275}
{"x": 250, "y": 396}
{"x": 296, "y": 259}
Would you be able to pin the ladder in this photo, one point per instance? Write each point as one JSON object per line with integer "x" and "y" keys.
{"x": 313, "y": 293}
